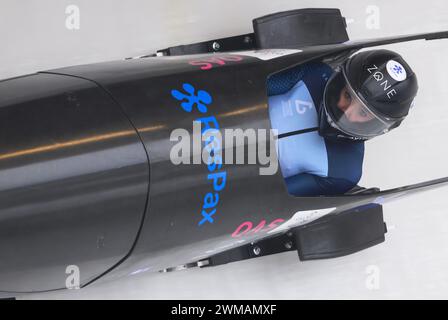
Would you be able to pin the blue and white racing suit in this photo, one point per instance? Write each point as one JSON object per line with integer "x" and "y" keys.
{"x": 310, "y": 164}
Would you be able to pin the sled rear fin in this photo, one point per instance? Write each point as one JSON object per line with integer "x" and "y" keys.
{"x": 392, "y": 194}
{"x": 398, "y": 39}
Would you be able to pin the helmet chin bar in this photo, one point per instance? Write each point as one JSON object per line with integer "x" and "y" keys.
{"x": 337, "y": 133}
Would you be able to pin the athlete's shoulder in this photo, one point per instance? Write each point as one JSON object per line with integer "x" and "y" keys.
{"x": 314, "y": 74}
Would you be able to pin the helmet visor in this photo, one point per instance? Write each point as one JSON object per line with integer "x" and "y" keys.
{"x": 347, "y": 111}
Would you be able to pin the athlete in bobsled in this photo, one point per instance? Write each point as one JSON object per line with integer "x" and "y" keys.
{"x": 330, "y": 113}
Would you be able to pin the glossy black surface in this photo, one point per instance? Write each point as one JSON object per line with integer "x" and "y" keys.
{"x": 73, "y": 182}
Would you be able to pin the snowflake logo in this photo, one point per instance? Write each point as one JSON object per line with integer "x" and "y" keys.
{"x": 189, "y": 99}
{"x": 397, "y": 69}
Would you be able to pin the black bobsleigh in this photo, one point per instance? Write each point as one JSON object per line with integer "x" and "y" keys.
{"x": 87, "y": 184}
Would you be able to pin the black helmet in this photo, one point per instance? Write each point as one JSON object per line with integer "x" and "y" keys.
{"x": 378, "y": 88}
